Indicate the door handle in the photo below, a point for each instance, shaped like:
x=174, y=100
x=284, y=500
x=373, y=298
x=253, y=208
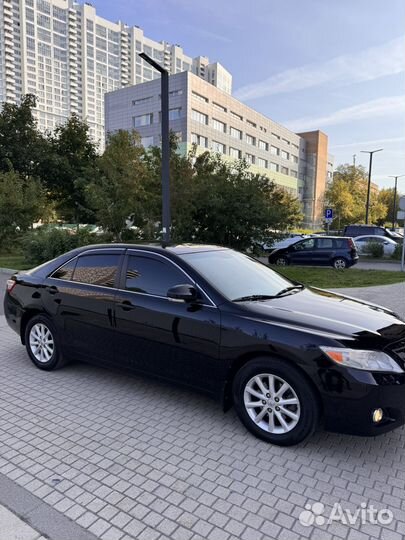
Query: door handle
x=126, y=305
x=52, y=289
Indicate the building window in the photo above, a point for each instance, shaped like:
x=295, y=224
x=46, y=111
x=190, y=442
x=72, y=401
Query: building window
x=218, y=125
x=219, y=107
x=143, y=120
x=200, y=97
x=250, y=158
x=286, y=141
x=199, y=139
x=218, y=147
x=274, y=150
x=176, y=92
x=175, y=114
x=250, y=140
x=274, y=167
x=262, y=163
x=263, y=129
x=263, y=145
x=294, y=159
x=251, y=123
x=235, y=153
x=284, y=154
x=142, y=100
x=276, y=136
x=236, y=115
x=199, y=117
x=147, y=141
x=284, y=170
x=235, y=133
x=294, y=174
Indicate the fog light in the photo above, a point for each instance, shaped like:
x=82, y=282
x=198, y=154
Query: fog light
x=377, y=415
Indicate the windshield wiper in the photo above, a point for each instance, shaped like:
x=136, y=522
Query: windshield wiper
x=288, y=289
x=253, y=297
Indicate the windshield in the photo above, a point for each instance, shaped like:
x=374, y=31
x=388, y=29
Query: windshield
x=235, y=275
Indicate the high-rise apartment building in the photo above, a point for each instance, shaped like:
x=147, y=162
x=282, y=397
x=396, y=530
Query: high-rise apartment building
x=214, y=120
x=68, y=56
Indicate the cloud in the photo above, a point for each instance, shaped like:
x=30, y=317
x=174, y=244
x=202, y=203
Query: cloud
x=386, y=106
x=369, y=64
x=387, y=140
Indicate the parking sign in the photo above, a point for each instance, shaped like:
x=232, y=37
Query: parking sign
x=329, y=213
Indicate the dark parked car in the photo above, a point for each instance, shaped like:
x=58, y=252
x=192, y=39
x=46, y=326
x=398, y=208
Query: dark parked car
x=361, y=230
x=216, y=320
x=335, y=251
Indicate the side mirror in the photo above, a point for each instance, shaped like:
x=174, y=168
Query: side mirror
x=188, y=293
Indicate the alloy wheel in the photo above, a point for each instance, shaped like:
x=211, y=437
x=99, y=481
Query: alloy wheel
x=272, y=403
x=42, y=343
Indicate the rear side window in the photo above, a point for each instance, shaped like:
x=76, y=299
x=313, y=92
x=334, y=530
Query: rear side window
x=97, y=269
x=324, y=243
x=340, y=243
x=152, y=276
x=65, y=271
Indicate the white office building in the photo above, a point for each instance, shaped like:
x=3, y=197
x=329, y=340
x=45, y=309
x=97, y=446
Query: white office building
x=69, y=57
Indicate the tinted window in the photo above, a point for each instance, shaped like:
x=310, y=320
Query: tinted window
x=97, y=269
x=152, y=276
x=324, y=243
x=341, y=243
x=306, y=244
x=65, y=271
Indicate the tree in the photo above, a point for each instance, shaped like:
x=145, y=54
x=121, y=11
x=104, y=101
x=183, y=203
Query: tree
x=347, y=195
x=386, y=197
x=22, y=146
x=23, y=201
x=69, y=167
x=118, y=192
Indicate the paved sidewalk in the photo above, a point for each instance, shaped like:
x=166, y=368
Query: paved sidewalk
x=13, y=528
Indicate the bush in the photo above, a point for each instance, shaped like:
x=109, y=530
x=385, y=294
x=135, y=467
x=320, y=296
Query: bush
x=397, y=253
x=375, y=249
x=42, y=245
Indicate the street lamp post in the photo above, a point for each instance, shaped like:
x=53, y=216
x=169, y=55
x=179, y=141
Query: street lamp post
x=165, y=147
x=394, y=212
x=369, y=178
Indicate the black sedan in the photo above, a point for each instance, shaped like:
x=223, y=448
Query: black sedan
x=213, y=319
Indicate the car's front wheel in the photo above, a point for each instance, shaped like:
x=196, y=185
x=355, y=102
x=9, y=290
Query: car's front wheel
x=280, y=260
x=42, y=343
x=275, y=402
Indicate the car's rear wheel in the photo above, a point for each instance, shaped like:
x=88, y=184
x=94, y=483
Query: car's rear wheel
x=42, y=343
x=340, y=263
x=275, y=402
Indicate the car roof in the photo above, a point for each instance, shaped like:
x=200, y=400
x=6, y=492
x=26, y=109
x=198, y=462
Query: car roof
x=178, y=249
x=373, y=236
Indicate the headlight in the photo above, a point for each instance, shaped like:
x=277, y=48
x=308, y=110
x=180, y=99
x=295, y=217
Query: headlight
x=368, y=360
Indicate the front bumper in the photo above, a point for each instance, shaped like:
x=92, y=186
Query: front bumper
x=352, y=396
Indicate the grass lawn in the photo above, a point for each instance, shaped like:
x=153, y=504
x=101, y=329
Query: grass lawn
x=329, y=278
x=15, y=262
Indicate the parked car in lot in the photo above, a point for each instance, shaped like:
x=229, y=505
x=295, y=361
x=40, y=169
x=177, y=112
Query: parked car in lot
x=362, y=230
x=335, y=251
x=363, y=244
x=287, y=357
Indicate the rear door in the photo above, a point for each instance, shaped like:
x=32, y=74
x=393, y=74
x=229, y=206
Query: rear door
x=324, y=251
x=80, y=297
x=164, y=337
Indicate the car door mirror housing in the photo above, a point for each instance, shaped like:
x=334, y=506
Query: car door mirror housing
x=188, y=293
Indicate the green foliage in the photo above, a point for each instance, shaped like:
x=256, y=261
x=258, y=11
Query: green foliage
x=347, y=195
x=22, y=202
x=398, y=252
x=42, y=244
x=374, y=249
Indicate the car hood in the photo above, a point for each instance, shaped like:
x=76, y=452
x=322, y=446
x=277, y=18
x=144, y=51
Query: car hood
x=324, y=312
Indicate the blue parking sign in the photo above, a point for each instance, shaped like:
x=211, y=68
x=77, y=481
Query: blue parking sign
x=328, y=213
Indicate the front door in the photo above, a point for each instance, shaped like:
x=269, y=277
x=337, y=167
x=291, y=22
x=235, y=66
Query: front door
x=302, y=252
x=160, y=336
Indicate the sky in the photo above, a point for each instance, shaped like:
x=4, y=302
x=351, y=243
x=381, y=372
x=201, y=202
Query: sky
x=334, y=65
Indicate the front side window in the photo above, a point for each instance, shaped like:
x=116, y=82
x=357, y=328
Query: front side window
x=152, y=276
x=306, y=244
x=98, y=269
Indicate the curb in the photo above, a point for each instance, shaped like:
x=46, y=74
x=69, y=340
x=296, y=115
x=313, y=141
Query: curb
x=8, y=271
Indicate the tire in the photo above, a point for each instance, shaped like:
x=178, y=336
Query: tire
x=304, y=403
x=280, y=261
x=340, y=263
x=49, y=356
